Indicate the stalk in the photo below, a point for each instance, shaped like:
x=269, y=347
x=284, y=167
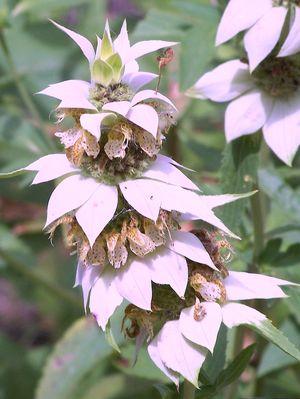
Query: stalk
x=188, y=390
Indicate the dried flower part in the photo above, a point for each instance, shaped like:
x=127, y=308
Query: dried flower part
x=207, y=283
x=219, y=249
x=147, y=142
x=139, y=319
x=100, y=95
x=69, y=137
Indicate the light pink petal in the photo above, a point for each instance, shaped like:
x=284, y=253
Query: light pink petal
x=98, y=50
x=120, y=107
x=134, y=283
x=240, y=15
x=121, y=43
x=131, y=67
x=242, y=286
x=235, y=314
x=104, y=298
x=247, y=114
x=143, y=196
x=51, y=167
x=282, y=129
x=82, y=42
x=155, y=357
x=213, y=201
x=179, y=354
x=71, y=193
x=141, y=48
x=164, y=158
x=167, y=267
x=261, y=39
x=72, y=93
x=223, y=83
x=97, y=211
x=153, y=95
x=92, y=122
x=203, y=331
x=86, y=276
x=292, y=43
x=168, y=173
x=144, y=116
x=138, y=79
x=188, y=245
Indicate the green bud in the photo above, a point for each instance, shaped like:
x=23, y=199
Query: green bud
x=102, y=72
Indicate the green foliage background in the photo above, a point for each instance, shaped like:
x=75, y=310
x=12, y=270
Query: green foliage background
x=48, y=349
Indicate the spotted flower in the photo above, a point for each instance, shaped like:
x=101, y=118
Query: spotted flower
x=264, y=21
x=267, y=99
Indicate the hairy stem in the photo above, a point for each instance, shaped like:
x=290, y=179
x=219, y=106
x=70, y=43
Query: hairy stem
x=36, y=277
x=188, y=390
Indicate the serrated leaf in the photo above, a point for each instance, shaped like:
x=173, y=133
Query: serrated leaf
x=272, y=334
x=273, y=358
x=102, y=73
x=283, y=195
x=238, y=175
x=74, y=357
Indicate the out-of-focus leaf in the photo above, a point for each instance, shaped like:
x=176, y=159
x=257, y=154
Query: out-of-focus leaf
x=110, y=338
x=197, y=49
x=73, y=358
x=44, y=6
x=144, y=368
x=230, y=374
x=239, y=175
x=286, y=198
x=273, y=358
x=293, y=301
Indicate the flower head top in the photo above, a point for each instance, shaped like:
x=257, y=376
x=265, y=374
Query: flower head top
x=267, y=99
x=264, y=21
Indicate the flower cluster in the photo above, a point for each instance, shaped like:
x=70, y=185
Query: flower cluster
x=264, y=85
x=123, y=204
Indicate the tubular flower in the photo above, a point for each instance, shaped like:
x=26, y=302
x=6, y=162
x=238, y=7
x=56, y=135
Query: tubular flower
x=181, y=330
x=269, y=98
x=264, y=21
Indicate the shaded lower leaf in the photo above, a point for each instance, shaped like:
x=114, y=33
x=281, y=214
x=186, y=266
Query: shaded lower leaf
x=74, y=357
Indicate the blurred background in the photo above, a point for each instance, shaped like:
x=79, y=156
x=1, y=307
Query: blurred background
x=48, y=348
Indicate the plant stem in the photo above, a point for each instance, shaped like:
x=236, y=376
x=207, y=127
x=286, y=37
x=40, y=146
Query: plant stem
x=257, y=207
x=188, y=390
x=36, y=277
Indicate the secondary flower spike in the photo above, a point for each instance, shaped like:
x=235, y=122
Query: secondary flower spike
x=267, y=99
x=264, y=21
x=181, y=330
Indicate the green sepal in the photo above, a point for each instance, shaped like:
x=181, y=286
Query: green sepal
x=102, y=73
x=116, y=63
x=109, y=336
x=106, y=47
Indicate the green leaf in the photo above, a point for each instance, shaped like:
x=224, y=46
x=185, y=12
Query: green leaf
x=102, y=73
x=238, y=175
x=74, y=357
x=283, y=195
x=14, y=173
x=272, y=334
x=273, y=358
x=197, y=50
x=229, y=375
